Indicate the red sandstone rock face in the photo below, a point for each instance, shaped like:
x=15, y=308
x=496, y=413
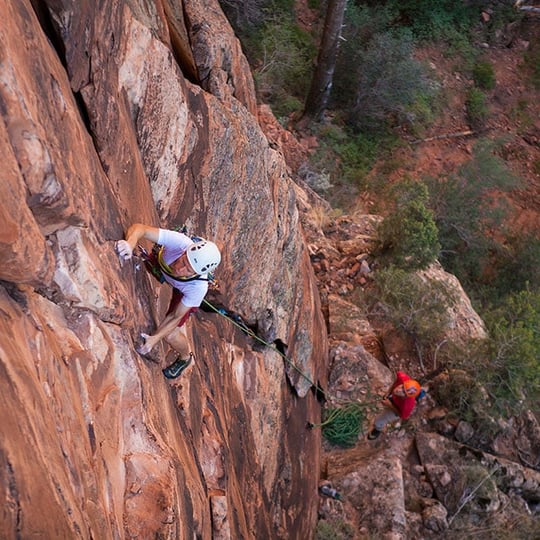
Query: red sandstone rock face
x=95, y=443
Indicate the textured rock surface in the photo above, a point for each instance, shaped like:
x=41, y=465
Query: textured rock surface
x=109, y=115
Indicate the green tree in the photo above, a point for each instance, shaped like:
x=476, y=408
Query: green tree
x=408, y=236
x=467, y=206
x=514, y=375
x=388, y=82
x=476, y=107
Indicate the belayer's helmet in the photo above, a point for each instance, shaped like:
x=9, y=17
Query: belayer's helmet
x=411, y=387
x=204, y=256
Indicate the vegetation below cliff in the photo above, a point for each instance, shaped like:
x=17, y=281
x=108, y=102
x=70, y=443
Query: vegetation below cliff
x=433, y=122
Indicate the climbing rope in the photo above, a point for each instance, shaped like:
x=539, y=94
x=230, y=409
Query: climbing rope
x=252, y=334
x=342, y=424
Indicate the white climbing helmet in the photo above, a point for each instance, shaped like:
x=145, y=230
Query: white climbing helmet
x=204, y=256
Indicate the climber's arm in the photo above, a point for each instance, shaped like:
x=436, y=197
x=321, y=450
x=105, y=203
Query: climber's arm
x=134, y=234
x=169, y=323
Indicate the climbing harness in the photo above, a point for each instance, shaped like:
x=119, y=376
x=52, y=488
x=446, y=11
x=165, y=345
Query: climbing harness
x=158, y=267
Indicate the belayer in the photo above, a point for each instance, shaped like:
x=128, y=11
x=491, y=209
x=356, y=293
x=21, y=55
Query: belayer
x=399, y=402
x=184, y=263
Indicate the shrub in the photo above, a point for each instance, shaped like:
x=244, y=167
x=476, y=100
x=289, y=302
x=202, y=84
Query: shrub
x=477, y=110
x=434, y=19
x=347, y=159
x=465, y=212
x=498, y=376
x=334, y=529
x=460, y=48
x=408, y=236
x=514, y=377
x=462, y=390
x=417, y=306
x=318, y=181
x=282, y=55
x=484, y=75
x=388, y=82
x=532, y=66
x=517, y=265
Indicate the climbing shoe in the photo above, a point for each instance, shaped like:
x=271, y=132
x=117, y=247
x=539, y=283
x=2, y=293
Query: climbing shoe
x=176, y=368
x=373, y=434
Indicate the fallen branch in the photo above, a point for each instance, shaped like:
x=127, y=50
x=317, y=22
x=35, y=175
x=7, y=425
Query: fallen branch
x=471, y=495
x=445, y=136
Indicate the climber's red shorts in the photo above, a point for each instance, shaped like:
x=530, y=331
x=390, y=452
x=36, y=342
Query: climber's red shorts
x=175, y=300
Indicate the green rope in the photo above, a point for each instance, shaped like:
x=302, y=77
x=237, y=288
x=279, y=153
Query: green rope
x=269, y=345
x=341, y=425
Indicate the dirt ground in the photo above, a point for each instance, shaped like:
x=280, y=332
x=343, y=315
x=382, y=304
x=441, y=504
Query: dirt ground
x=514, y=116
x=514, y=119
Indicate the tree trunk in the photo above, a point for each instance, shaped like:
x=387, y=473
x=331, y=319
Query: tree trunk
x=321, y=83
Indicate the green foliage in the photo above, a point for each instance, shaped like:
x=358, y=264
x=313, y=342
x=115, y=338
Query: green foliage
x=357, y=155
x=517, y=264
x=416, y=305
x=282, y=56
x=514, y=377
x=408, y=236
x=377, y=79
x=463, y=392
x=466, y=207
x=498, y=376
x=460, y=48
x=420, y=113
x=523, y=115
x=501, y=15
x=347, y=159
x=334, y=529
x=484, y=75
x=487, y=169
x=477, y=109
x=434, y=19
x=532, y=66
x=388, y=82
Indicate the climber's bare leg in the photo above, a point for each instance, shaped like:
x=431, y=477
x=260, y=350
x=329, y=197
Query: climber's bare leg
x=178, y=340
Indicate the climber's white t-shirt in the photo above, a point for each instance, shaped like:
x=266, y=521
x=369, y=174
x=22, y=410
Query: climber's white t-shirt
x=175, y=244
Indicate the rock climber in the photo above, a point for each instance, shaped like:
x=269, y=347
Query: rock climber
x=184, y=264
x=399, y=402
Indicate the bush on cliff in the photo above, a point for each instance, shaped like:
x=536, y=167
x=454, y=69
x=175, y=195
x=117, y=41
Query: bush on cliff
x=408, y=236
x=418, y=307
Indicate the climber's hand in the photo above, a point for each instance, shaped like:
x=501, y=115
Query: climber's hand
x=124, y=249
x=149, y=343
